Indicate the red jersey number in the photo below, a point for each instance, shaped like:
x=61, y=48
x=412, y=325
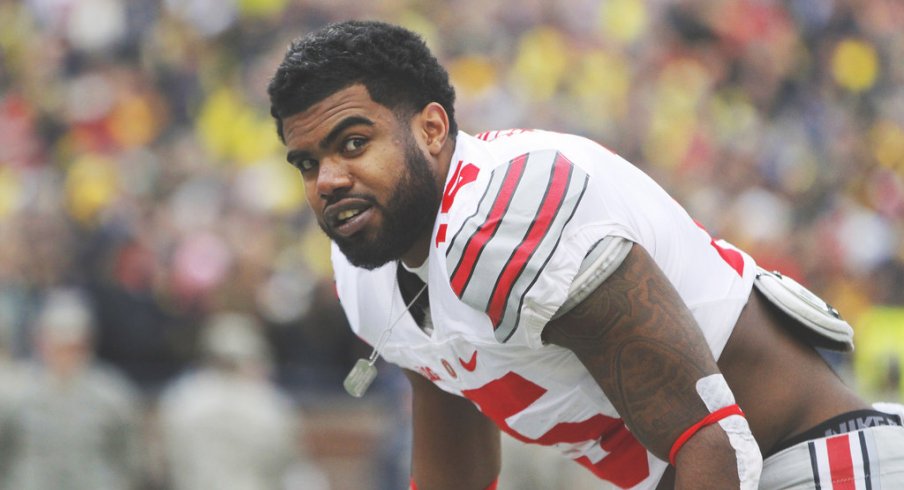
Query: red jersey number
x=464, y=174
x=626, y=464
x=731, y=256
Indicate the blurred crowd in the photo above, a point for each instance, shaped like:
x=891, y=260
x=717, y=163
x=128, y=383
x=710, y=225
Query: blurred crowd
x=140, y=173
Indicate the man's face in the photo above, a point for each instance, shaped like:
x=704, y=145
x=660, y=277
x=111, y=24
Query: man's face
x=372, y=188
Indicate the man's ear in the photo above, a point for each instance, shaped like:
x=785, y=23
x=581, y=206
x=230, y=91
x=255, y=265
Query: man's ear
x=433, y=126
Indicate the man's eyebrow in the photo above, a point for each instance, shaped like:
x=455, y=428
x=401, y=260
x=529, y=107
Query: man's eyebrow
x=342, y=126
x=297, y=155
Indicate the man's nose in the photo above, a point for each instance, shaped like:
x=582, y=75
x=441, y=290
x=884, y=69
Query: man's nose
x=333, y=177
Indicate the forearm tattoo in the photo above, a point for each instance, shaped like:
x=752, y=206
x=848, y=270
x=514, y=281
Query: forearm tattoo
x=643, y=347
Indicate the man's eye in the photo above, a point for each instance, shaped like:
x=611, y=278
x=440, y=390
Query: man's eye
x=353, y=144
x=306, y=164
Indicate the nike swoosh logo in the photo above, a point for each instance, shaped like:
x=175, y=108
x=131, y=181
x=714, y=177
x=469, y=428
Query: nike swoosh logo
x=471, y=364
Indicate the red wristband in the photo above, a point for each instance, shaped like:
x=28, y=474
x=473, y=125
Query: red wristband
x=708, y=420
x=491, y=487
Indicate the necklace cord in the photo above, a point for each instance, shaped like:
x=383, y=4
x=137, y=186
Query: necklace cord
x=384, y=337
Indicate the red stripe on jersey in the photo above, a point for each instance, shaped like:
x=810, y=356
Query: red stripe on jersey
x=484, y=232
x=840, y=463
x=552, y=201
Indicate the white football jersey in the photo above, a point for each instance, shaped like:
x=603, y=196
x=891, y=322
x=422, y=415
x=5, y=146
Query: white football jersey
x=520, y=211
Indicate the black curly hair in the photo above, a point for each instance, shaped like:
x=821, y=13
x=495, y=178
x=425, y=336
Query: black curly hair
x=393, y=63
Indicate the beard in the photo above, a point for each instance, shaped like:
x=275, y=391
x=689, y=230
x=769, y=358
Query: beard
x=408, y=214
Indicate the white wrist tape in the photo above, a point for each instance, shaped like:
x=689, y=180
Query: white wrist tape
x=715, y=393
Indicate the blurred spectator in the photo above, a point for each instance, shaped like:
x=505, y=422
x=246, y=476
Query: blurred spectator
x=12, y=384
x=879, y=358
x=225, y=426
x=74, y=424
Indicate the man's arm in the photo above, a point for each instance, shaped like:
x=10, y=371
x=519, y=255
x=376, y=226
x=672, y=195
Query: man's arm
x=643, y=347
x=455, y=446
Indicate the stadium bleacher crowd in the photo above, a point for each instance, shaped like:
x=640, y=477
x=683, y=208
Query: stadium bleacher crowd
x=139, y=164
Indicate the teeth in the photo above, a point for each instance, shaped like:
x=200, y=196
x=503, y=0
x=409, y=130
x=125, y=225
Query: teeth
x=344, y=215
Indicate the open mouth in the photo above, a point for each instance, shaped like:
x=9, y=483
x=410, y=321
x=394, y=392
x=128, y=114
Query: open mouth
x=347, y=218
x=346, y=215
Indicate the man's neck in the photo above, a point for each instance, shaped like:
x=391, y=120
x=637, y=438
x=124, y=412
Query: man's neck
x=417, y=254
